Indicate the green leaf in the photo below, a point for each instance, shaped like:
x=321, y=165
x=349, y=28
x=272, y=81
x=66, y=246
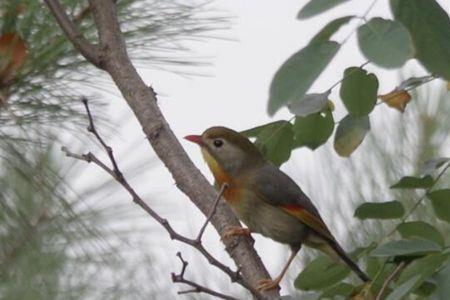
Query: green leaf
x=404, y=289
x=330, y=29
x=409, y=247
x=429, y=26
x=359, y=91
x=409, y=182
x=313, y=130
x=321, y=273
x=276, y=141
x=253, y=132
x=442, y=280
x=380, y=210
x=440, y=200
x=423, y=267
x=381, y=272
x=298, y=73
x=386, y=43
x=421, y=230
x=425, y=289
x=350, y=134
x=341, y=289
x=315, y=7
x=309, y=104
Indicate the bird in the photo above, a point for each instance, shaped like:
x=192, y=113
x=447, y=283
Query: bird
x=266, y=199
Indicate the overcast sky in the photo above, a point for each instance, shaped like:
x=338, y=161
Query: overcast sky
x=264, y=33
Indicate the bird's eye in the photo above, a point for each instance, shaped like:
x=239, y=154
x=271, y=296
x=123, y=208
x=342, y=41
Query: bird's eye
x=218, y=143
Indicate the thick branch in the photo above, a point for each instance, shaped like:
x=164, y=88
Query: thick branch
x=142, y=100
x=83, y=46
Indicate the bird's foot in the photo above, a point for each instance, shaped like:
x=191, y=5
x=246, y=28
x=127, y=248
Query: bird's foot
x=268, y=284
x=232, y=231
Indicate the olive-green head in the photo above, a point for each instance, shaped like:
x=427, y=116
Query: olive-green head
x=227, y=150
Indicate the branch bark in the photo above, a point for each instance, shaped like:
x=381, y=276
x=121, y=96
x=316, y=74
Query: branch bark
x=81, y=44
x=113, y=58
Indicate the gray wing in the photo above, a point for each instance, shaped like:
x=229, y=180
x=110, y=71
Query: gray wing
x=279, y=189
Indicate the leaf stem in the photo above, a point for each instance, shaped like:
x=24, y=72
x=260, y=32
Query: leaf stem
x=418, y=202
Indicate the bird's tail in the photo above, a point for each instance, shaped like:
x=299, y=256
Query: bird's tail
x=334, y=250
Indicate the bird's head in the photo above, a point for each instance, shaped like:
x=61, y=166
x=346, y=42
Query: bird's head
x=226, y=150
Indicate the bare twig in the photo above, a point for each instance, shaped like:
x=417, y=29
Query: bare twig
x=213, y=210
x=389, y=279
x=91, y=128
x=117, y=175
x=197, y=288
x=114, y=59
x=88, y=50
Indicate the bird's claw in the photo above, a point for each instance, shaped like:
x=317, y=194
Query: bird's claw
x=267, y=284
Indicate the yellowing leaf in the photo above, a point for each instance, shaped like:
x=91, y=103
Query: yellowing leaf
x=13, y=53
x=350, y=134
x=448, y=85
x=397, y=99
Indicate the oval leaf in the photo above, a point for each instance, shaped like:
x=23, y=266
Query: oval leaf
x=429, y=26
x=298, y=73
x=409, y=182
x=440, y=200
x=424, y=267
x=404, y=289
x=342, y=289
x=253, y=132
x=276, y=141
x=443, y=282
x=386, y=43
x=313, y=130
x=350, y=134
x=330, y=29
x=359, y=91
x=321, y=273
x=315, y=7
x=309, y=104
x=409, y=247
x=380, y=210
x=421, y=230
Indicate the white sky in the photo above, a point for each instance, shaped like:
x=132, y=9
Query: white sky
x=235, y=94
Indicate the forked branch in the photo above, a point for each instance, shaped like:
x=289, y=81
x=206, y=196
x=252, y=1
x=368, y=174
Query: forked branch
x=117, y=174
x=111, y=56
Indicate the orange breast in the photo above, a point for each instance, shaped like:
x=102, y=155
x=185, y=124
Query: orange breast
x=233, y=192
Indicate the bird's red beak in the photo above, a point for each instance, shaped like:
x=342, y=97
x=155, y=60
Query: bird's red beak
x=195, y=139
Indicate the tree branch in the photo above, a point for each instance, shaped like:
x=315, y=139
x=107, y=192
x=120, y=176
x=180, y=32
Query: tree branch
x=117, y=174
x=88, y=50
x=142, y=100
x=197, y=288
